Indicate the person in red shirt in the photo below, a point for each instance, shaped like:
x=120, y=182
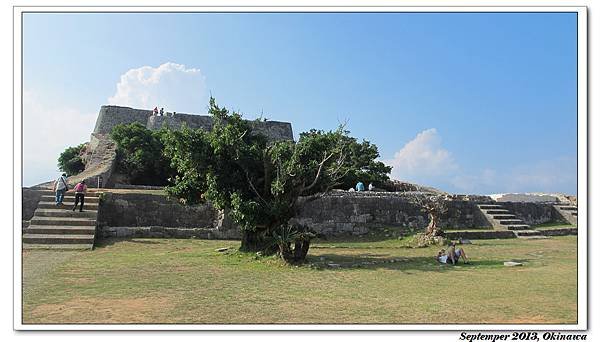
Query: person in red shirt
x=80, y=190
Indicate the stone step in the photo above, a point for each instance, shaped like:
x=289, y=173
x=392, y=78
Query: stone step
x=52, y=205
x=503, y=216
x=59, y=239
x=511, y=222
x=518, y=227
x=568, y=208
x=70, y=192
x=520, y=233
x=69, y=199
x=62, y=221
x=574, y=214
x=489, y=206
x=65, y=213
x=70, y=247
x=497, y=211
x=66, y=230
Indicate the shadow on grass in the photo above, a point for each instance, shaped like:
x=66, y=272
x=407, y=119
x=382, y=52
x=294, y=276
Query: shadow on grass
x=374, y=235
x=111, y=241
x=370, y=261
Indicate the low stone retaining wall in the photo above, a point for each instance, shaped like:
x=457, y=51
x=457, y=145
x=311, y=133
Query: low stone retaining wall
x=337, y=214
x=558, y=231
x=137, y=187
x=343, y=212
x=167, y=232
x=534, y=213
x=145, y=210
x=154, y=215
x=484, y=234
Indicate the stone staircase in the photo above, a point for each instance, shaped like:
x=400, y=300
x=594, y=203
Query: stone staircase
x=568, y=212
x=502, y=219
x=58, y=227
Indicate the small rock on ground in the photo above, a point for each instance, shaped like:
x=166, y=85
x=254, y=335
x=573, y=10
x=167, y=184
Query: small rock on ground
x=512, y=263
x=222, y=249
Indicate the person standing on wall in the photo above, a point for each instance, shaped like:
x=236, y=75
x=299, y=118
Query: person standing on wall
x=155, y=111
x=360, y=186
x=162, y=112
x=60, y=187
x=80, y=190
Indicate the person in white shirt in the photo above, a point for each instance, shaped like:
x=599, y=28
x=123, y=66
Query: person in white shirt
x=60, y=187
x=452, y=255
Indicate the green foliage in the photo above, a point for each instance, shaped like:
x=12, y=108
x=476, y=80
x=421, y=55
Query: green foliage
x=70, y=161
x=140, y=154
x=258, y=181
x=361, y=164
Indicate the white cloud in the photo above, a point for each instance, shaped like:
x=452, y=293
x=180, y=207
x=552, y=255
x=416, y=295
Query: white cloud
x=170, y=85
x=49, y=128
x=425, y=161
x=553, y=175
x=549, y=176
x=476, y=183
x=422, y=158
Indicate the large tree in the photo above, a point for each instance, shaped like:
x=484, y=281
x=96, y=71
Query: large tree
x=362, y=164
x=257, y=181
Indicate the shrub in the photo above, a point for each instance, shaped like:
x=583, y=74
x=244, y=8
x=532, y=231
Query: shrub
x=140, y=154
x=70, y=161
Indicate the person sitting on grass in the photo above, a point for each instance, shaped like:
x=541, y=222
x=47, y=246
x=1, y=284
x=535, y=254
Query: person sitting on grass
x=452, y=255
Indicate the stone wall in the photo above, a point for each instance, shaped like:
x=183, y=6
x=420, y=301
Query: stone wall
x=138, y=210
x=274, y=130
x=31, y=198
x=100, y=162
x=534, y=213
x=150, y=213
x=178, y=120
x=338, y=213
x=356, y=213
x=168, y=232
x=110, y=116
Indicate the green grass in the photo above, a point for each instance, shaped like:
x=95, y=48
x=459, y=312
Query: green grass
x=187, y=281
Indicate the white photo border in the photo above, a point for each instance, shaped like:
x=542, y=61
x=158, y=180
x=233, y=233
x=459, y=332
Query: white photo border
x=582, y=170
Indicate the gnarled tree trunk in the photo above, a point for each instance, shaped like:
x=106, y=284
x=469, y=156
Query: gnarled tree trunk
x=432, y=228
x=256, y=241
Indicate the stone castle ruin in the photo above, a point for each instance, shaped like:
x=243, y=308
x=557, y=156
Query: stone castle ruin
x=101, y=151
x=114, y=212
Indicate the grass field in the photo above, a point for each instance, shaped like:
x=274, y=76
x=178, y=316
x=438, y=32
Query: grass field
x=187, y=281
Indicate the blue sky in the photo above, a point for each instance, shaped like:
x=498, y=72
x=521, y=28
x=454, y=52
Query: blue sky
x=468, y=103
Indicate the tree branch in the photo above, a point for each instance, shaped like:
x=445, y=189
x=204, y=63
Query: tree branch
x=314, y=182
x=254, y=189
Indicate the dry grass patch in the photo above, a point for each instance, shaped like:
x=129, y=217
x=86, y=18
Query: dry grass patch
x=100, y=310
